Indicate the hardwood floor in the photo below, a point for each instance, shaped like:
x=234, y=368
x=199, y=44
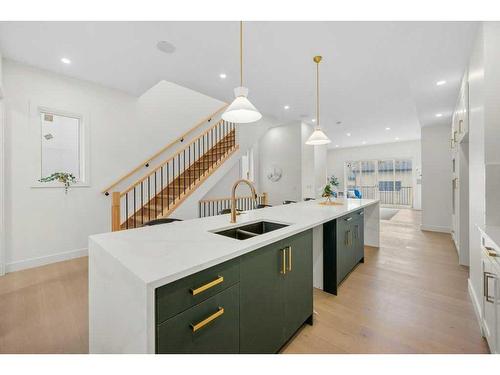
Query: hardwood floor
x=410, y=296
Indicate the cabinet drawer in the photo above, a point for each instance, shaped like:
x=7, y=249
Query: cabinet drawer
x=210, y=327
x=180, y=295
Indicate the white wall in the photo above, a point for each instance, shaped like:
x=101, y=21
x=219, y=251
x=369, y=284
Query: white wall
x=407, y=150
x=44, y=224
x=436, y=178
x=2, y=137
x=476, y=164
x=281, y=146
x=308, y=172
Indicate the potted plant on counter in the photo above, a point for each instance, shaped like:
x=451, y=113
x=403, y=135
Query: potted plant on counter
x=330, y=191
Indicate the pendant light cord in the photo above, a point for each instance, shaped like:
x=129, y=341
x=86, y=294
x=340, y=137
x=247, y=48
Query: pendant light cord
x=317, y=94
x=241, y=53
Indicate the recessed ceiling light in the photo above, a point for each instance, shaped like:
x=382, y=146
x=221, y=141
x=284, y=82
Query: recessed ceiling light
x=313, y=120
x=440, y=83
x=222, y=76
x=286, y=107
x=165, y=46
x=65, y=60
x=364, y=142
x=336, y=145
x=397, y=138
x=388, y=128
x=439, y=115
x=348, y=134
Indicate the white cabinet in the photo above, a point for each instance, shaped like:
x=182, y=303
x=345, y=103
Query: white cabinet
x=460, y=177
x=490, y=315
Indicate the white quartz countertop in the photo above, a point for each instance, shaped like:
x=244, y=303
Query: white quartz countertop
x=160, y=254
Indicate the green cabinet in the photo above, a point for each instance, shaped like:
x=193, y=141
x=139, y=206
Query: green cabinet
x=251, y=304
x=298, y=282
x=262, y=300
x=209, y=327
x=343, y=248
x=276, y=293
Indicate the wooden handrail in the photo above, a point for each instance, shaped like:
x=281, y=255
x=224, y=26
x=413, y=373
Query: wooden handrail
x=158, y=153
x=143, y=178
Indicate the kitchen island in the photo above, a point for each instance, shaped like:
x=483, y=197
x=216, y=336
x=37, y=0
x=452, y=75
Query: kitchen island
x=138, y=279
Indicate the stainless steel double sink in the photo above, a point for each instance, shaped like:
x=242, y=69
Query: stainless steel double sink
x=247, y=231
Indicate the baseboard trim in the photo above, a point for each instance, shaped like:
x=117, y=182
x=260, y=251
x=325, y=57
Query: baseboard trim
x=41, y=261
x=435, y=228
x=475, y=305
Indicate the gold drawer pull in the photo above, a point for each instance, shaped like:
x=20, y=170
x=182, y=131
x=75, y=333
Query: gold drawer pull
x=289, y=258
x=211, y=284
x=283, y=263
x=204, y=322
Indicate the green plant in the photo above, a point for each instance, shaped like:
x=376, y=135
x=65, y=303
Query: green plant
x=330, y=187
x=327, y=191
x=66, y=178
x=334, y=181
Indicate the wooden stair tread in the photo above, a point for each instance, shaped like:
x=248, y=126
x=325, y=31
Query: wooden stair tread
x=181, y=186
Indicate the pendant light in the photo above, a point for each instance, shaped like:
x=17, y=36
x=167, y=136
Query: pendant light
x=318, y=137
x=241, y=111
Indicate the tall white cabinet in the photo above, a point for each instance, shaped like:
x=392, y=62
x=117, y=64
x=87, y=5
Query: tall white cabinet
x=459, y=144
x=490, y=301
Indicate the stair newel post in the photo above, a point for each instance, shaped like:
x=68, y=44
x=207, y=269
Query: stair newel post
x=115, y=211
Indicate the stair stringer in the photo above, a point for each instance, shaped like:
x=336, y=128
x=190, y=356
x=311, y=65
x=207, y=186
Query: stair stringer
x=247, y=136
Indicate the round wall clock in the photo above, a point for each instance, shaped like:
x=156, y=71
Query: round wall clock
x=274, y=174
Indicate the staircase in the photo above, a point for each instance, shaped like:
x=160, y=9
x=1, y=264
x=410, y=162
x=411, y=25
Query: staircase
x=159, y=192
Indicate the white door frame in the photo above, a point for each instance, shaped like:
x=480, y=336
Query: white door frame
x=2, y=186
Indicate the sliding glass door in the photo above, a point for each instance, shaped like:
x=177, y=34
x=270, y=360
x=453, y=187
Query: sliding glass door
x=390, y=180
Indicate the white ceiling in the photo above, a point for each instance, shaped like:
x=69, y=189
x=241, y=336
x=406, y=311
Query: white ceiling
x=374, y=74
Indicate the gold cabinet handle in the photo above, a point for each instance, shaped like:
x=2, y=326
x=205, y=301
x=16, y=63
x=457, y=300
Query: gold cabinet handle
x=487, y=276
x=209, y=285
x=204, y=322
x=289, y=258
x=283, y=261
x=490, y=251
x=348, y=238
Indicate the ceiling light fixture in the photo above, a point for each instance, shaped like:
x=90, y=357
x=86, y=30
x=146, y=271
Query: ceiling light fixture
x=66, y=61
x=222, y=76
x=287, y=107
x=241, y=111
x=439, y=115
x=388, y=128
x=440, y=83
x=348, y=134
x=364, y=142
x=318, y=137
x=397, y=138
x=336, y=145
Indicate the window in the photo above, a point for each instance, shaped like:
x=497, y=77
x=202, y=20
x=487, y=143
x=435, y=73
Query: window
x=247, y=165
x=390, y=180
x=62, y=140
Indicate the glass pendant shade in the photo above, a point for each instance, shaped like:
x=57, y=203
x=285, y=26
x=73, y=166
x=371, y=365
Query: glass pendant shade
x=241, y=111
x=318, y=138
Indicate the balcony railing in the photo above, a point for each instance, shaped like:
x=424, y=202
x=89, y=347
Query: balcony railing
x=399, y=197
